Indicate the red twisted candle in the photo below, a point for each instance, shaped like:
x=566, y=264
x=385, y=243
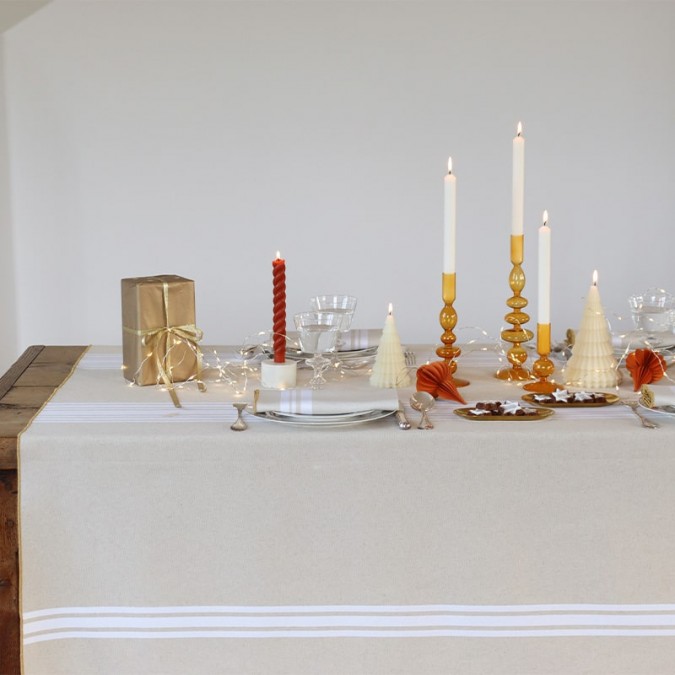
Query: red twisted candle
x=279, y=310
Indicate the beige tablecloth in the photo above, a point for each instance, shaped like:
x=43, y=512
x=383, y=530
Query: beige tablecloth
x=156, y=540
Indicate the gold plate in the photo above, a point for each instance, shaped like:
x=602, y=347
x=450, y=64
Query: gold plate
x=541, y=414
x=611, y=398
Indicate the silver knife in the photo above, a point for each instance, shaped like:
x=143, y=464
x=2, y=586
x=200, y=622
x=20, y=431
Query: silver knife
x=401, y=418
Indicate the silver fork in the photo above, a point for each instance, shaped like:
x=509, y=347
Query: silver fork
x=410, y=358
x=648, y=424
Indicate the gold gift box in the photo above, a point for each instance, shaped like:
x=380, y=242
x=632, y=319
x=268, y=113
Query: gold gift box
x=159, y=337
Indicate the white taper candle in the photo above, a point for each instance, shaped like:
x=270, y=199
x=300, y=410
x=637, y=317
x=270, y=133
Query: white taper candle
x=449, y=220
x=544, y=273
x=518, y=194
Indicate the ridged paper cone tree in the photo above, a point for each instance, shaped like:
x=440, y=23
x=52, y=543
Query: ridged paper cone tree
x=389, y=369
x=592, y=363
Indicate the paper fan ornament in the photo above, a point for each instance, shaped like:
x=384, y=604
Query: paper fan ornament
x=645, y=366
x=436, y=379
x=389, y=369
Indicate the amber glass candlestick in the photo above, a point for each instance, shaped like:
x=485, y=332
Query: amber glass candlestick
x=448, y=318
x=543, y=367
x=516, y=335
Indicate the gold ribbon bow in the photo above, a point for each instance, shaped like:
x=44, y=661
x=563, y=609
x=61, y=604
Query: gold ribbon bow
x=161, y=341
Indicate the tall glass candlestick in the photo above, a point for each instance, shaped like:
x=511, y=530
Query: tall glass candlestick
x=448, y=318
x=543, y=367
x=517, y=318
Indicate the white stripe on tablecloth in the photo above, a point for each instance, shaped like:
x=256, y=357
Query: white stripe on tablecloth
x=70, y=413
x=398, y=634
x=202, y=411
x=304, y=621
x=357, y=609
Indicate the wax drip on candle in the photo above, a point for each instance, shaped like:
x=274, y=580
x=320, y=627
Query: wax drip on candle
x=279, y=309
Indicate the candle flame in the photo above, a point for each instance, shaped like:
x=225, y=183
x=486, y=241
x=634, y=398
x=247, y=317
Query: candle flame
x=278, y=255
x=545, y=217
x=595, y=277
x=449, y=164
x=391, y=308
x=519, y=129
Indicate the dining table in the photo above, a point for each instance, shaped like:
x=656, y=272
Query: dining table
x=155, y=539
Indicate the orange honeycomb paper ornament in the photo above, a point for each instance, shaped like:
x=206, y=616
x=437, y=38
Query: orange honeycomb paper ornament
x=645, y=366
x=436, y=379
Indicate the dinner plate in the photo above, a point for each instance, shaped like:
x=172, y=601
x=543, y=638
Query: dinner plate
x=541, y=414
x=357, y=358
x=610, y=399
x=323, y=420
x=366, y=352
x=637, y=340
x=667, y=409
x=316, y=417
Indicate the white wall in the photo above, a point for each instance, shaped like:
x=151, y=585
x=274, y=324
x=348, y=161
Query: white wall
x=197, y=138
x=9, y=347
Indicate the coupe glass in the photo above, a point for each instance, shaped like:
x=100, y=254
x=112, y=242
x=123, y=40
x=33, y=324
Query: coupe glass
x=317, y=332
x=653, y=313
x=342, y=305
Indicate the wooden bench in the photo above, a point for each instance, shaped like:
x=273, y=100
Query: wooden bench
x=24, y=389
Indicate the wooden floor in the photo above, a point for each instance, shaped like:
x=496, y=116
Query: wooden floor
x=24, y=389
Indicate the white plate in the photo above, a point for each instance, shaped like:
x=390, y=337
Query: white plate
x=637, y=340
x=662, y=409
x=325, y=420
x=316, y=417
x=297, y=354
x=357, y=359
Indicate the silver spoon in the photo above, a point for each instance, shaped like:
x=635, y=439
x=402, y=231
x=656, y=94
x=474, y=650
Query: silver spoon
x=422, y=401
x=239, y=424
x=648, y=424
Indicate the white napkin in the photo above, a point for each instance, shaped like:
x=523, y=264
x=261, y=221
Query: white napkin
x=329, y=401
x=357, y=338
x=360, y=339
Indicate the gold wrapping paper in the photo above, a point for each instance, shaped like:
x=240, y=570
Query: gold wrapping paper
x=159, y=337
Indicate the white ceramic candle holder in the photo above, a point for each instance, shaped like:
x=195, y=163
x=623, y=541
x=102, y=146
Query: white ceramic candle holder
x=278, y=375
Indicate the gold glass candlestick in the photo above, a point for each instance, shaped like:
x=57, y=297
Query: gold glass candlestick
x=448, y=318
x=516, y=335
x=543, y=367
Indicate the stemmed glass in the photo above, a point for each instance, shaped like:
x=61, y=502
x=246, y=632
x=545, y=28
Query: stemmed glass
x=343, y=305
x=653, y=314
x=318, y=333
